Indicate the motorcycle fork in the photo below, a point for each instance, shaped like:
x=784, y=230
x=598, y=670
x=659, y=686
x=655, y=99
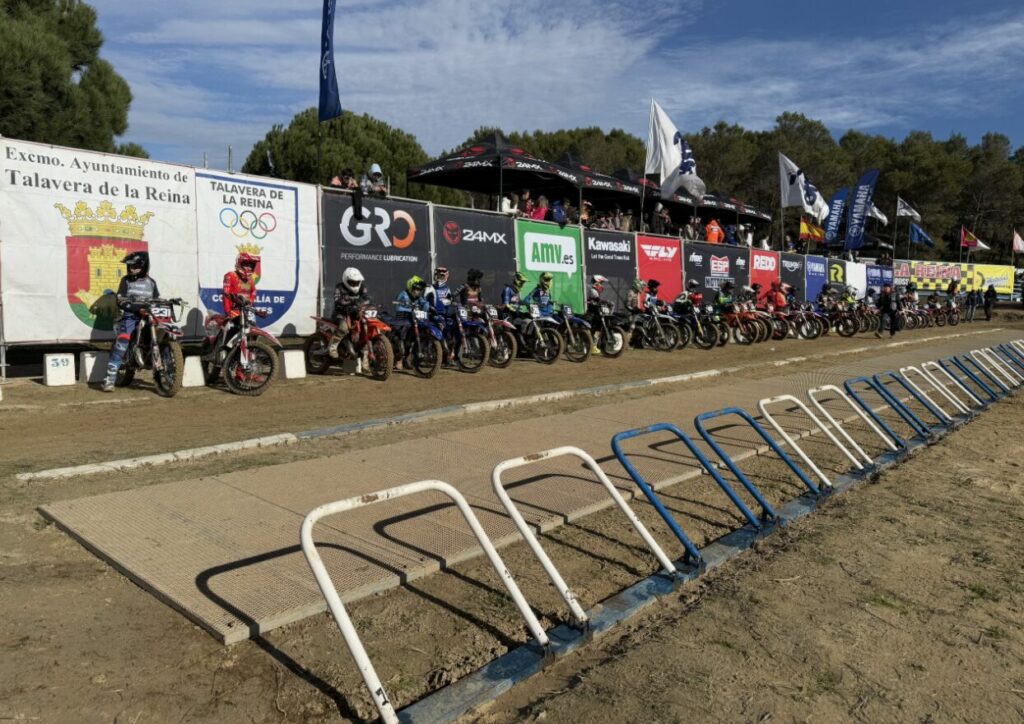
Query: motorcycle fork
x=155, y=358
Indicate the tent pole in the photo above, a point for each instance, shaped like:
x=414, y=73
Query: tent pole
x=501, y=182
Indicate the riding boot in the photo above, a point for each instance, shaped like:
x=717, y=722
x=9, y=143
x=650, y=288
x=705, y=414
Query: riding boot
x=332, y=347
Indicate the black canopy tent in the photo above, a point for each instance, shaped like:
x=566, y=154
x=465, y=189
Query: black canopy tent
x=495, y=165
x=599, y=187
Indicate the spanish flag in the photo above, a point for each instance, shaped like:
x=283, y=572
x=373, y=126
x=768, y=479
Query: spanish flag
x=810, y=232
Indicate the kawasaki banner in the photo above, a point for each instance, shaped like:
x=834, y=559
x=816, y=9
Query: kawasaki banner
x=388, y=243
x=712, y=265
x=791, y=271
x=860, y=208
x=835, y=215
x=816, y=276
x=764, y=268
x=660, y=257
x=68, y=217
x=464, y=240
x=611, y=254
x=545, y=247
x=275, y=220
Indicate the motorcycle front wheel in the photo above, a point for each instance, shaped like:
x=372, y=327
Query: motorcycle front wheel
x=504, y=349
x=613, y=344
x=579, y=349
x=685, y=335
x=705, y=336
x=168, y=379
x=426, y=357
x=548, y=345
x=744, y=332
x=261, y=372
x=473, y=352
x=723, y=333
x=381, y=358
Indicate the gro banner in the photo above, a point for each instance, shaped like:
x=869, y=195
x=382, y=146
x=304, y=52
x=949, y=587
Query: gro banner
x=791, y=271
x=660, y=257
x=273, y=219
x=611, y=254
x=979, y=276
x=764, y=268
x=68, y=218
x=465, y=240
x=713, y=264
x=816, y=275
x=388, y=243
x=856, y=277
x=545, y=247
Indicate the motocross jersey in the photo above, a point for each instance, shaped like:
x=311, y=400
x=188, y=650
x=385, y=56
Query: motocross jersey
x=131, y=293
x=440, y=297
x=724, y=302
x=347, y=303
x=651, y=302
x=542, y=298
x=467, y=295
x=510, y=298
x=235, y=288
x=405, y=304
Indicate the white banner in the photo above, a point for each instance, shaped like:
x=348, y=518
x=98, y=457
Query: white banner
x=274, y=219
x=68, y=217
x=857, y=277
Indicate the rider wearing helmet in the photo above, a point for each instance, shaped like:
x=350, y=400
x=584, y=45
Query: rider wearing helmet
x=651, y=303
x=689, y=299
x=349, y=297
x=724, y=299
x=633, y=298
x=850, y=295
x=440, y=294
x=135, y=289
x=470, y=292
x=240, y=284
x=541, y=294
x=511, y=295
x=777, y=297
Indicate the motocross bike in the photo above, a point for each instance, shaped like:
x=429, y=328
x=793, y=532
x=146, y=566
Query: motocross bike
x=579, y=341
x=538, y=335
x=419, y=344
x=654, y=329
x=154, y=346
x=608, y=329
x=693, y=324
x=501, y=335
x=466, y=340
x=240, y=352
x=366, y=331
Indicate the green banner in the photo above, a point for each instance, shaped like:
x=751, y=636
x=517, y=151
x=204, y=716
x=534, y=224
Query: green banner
x=543, y=247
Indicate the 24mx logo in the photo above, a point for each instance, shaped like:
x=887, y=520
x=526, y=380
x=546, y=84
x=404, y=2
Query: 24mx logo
x=377, y=221
x=453, y=234
x=659, y=252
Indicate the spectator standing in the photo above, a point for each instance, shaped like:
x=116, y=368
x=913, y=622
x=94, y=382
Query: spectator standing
x=691, y=230
x=510, y=204
x=542, y=209
x=970, y=305
x=990, y=301
x=714, y=232
x=656, y=225
x=526, y=204
x=373, y=183
x=889, y=305
x=626, y=222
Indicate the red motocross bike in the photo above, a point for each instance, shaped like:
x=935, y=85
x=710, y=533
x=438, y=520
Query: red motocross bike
x=240, y=352
x=367, y=332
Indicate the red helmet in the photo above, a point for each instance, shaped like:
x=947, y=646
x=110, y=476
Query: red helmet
x=776, y=284
x=245, y=264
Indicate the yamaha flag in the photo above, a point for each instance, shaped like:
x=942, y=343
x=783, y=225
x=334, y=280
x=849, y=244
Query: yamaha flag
x=670, y=156
x=918, y=236
x=797, y=190
x=835, y=215
x=905, y=209
x=330, y=101
x=860, y=207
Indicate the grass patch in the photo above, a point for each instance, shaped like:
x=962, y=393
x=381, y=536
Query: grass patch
x=883, y=601
x=982, y=593
x=827, y=682
x=981, y=556
x=995, y=633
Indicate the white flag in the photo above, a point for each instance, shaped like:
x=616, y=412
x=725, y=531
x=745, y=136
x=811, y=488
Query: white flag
x=797, y=190
x=669, y=156
x=877, y=213
x=982, y=245
x=1018, y=243
x=905, y=209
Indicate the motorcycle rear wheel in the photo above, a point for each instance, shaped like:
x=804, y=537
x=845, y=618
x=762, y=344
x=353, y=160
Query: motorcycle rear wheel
x=168, y=380
x=953, y=318
x=504, y=349
x=251, y=384
x=846, y=327
x=314, y=349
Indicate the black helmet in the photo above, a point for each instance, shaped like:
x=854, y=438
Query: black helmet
x=727, y=286
x=473, y=276
x=692, y=284
x=653, y=284
x=137, y=263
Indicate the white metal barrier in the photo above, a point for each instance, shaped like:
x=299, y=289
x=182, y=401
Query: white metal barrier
x=832, y=389
x=348, y=631
x=999, y=366
x=927, y=369
x=943, y=387
x=524, y=528
x=1005, y=365
x=762, y=405
x=983, y=362
x=917, y=388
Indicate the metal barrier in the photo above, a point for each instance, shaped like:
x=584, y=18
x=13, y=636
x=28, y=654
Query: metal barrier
x=524, y=529
x=993, y=366
x=853, y=406
x=1012, y=354
x=698, y=423
x=330, y=593
x=762, y=405
x=902, y=410
x=1012, y=375
x=943, y=388
x=955, y=361
x=945, y=417
x=925, y=429
x=983, y=369
x=692, y=553
x=848, y=386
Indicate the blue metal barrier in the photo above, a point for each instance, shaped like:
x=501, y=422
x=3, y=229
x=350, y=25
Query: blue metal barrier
x=698, y=423
x=917, y=396
x=1011, y=354
x=988, y=375
x=867, y=408
x=970, y=375
x=692, y=554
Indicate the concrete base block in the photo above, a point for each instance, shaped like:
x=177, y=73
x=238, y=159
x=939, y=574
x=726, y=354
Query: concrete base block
x=294, y=363
x=59, y=369
x=92, y=366
x=193, y=374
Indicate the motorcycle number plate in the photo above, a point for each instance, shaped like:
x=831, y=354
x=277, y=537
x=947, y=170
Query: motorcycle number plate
x=567, y=310
x=492, y=312
x=534, y=311
x=371, y=313
x=419, y=314
x=160, y=311
x=463, y=314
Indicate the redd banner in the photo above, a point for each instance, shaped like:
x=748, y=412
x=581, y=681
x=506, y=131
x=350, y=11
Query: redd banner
x=661, y=258
x=764, y=268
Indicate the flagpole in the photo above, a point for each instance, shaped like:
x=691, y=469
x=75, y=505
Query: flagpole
x=643, y=179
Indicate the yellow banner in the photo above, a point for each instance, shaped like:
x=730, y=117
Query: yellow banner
x=981, y=275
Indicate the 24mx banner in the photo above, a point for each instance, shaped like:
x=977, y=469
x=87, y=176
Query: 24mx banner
x=467, y=240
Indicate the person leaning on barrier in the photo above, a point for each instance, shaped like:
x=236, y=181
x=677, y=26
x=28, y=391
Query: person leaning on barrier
x=373, y=183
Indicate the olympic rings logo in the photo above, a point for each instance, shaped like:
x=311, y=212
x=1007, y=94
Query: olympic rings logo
x=246, y=223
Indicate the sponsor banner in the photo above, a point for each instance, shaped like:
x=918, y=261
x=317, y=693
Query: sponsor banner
x=791, y=271
x=815, y=276
x=875, y=280
x=611, y=254
x=837, y=272
x=714, y=264
x=661, y=258
x=69, y=217
x=856, y=277
x=980, y=276
x=901, y=272
x=859, y=208
x=764, y=268
x=544, y=247
x=389, y=242
x=930, y=276
x=465, y=240
x=276, y=220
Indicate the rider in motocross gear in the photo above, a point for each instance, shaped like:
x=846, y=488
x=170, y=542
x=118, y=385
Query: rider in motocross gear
x=724, y=299
x=511, y=298
x=470, y=292
x=541, y=294
x=349, y=297
x=411, y=298
x=651, y=303
x=440, y=294
x=633, y=298
x=776, y=296
x=134, y=290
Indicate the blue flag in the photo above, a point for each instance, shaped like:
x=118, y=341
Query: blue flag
x=860, y=208
x=330, y=101
x=835, y=215
x=918, y=236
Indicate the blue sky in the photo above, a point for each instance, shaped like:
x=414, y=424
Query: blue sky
x=211, y=73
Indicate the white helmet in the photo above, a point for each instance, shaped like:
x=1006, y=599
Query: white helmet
x=352, y=278
x=598, y=279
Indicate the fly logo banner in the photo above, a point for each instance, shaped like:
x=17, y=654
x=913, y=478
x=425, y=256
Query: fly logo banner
x=661, y=253
x=719, y=265
x=549, y=252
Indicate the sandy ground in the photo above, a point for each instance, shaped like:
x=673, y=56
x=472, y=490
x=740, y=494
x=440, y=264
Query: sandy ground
x=899, y=598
